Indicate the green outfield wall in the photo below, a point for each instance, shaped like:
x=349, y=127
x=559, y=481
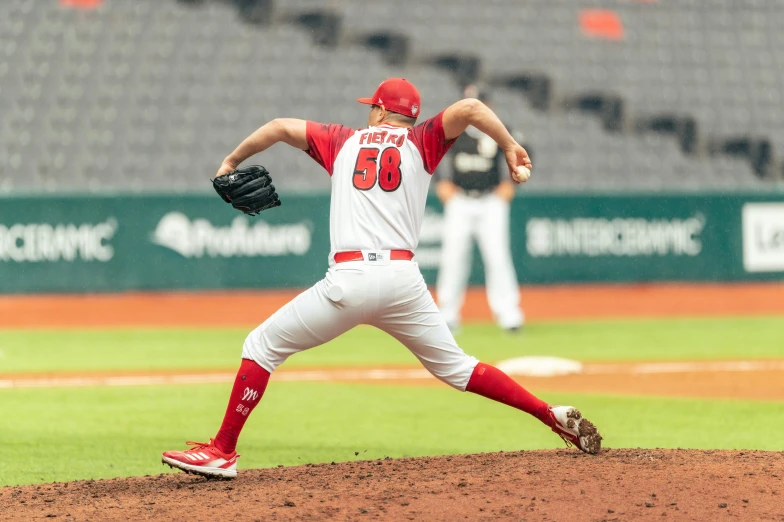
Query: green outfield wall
x=148, y=242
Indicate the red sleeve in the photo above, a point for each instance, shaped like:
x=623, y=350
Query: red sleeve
x=325, y=141
x=429, y=138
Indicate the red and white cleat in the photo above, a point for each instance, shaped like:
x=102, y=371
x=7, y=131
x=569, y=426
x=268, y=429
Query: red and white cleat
x=575, y=430
x=203, y=459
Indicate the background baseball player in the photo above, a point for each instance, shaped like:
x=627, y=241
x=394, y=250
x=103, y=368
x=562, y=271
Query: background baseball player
x=380, y=177
x=475, y=189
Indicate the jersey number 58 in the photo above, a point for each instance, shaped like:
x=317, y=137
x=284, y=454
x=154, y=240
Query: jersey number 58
x=371, y=166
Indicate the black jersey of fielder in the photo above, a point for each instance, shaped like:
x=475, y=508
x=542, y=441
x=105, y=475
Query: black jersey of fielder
x=476, y=162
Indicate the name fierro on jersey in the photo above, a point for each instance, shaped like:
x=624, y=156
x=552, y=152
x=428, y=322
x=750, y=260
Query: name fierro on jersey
x=379, y=137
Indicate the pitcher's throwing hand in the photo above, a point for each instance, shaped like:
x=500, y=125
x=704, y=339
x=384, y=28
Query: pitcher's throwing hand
x=519, y=163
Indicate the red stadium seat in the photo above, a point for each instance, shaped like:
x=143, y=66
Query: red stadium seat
x=81, y=4
x=601, y=23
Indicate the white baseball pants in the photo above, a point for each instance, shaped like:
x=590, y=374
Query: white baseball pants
x=486, y=219
x=392, y=297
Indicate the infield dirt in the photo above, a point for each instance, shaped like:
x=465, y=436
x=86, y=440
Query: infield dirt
x=538, y=485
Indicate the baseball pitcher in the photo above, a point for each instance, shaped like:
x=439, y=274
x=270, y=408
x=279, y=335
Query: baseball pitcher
x=380, y=177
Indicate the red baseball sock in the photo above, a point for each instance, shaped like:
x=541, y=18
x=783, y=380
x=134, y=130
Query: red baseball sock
x=248, y=388
x=488, y=381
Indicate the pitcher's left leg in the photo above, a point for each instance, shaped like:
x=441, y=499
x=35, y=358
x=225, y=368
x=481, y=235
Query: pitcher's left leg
x=312, y=318
x=503, y=290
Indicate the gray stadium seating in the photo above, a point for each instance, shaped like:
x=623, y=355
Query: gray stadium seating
x=144, y=94
x=151, y=94
x=714, y=59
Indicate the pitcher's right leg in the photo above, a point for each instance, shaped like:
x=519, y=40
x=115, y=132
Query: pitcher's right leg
x=418, y=325
x=488, y=381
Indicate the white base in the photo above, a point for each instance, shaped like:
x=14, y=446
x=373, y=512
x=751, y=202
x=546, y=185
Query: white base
x=540, y=366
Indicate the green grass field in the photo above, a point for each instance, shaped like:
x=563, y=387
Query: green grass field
x=145, y=349
x=78, y=433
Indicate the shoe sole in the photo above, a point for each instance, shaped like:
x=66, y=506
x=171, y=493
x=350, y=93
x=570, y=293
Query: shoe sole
x=590, y=439
x=212, y=473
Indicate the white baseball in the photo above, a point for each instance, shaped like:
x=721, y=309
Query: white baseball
x=522, y=174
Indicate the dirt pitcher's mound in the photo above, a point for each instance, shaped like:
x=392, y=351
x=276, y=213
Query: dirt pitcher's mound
x=535, y=485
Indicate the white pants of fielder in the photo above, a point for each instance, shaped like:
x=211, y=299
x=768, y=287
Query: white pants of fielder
x=392, y=297
x=485, y=219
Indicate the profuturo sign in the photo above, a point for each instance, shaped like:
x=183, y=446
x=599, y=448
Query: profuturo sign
x=199, y=238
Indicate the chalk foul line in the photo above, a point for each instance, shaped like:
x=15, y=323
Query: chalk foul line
x=375, y=374
x=686, y=367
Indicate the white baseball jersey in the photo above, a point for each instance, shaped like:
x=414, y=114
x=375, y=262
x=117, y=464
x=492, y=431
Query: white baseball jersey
x=380, y=176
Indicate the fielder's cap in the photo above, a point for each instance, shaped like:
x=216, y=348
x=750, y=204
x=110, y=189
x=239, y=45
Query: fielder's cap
x=480, y=92
x=396, y=95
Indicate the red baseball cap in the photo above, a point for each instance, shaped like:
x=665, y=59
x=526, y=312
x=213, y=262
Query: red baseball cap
x=396, y=95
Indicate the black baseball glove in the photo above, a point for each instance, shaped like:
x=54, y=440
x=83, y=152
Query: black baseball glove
x=249, y=189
